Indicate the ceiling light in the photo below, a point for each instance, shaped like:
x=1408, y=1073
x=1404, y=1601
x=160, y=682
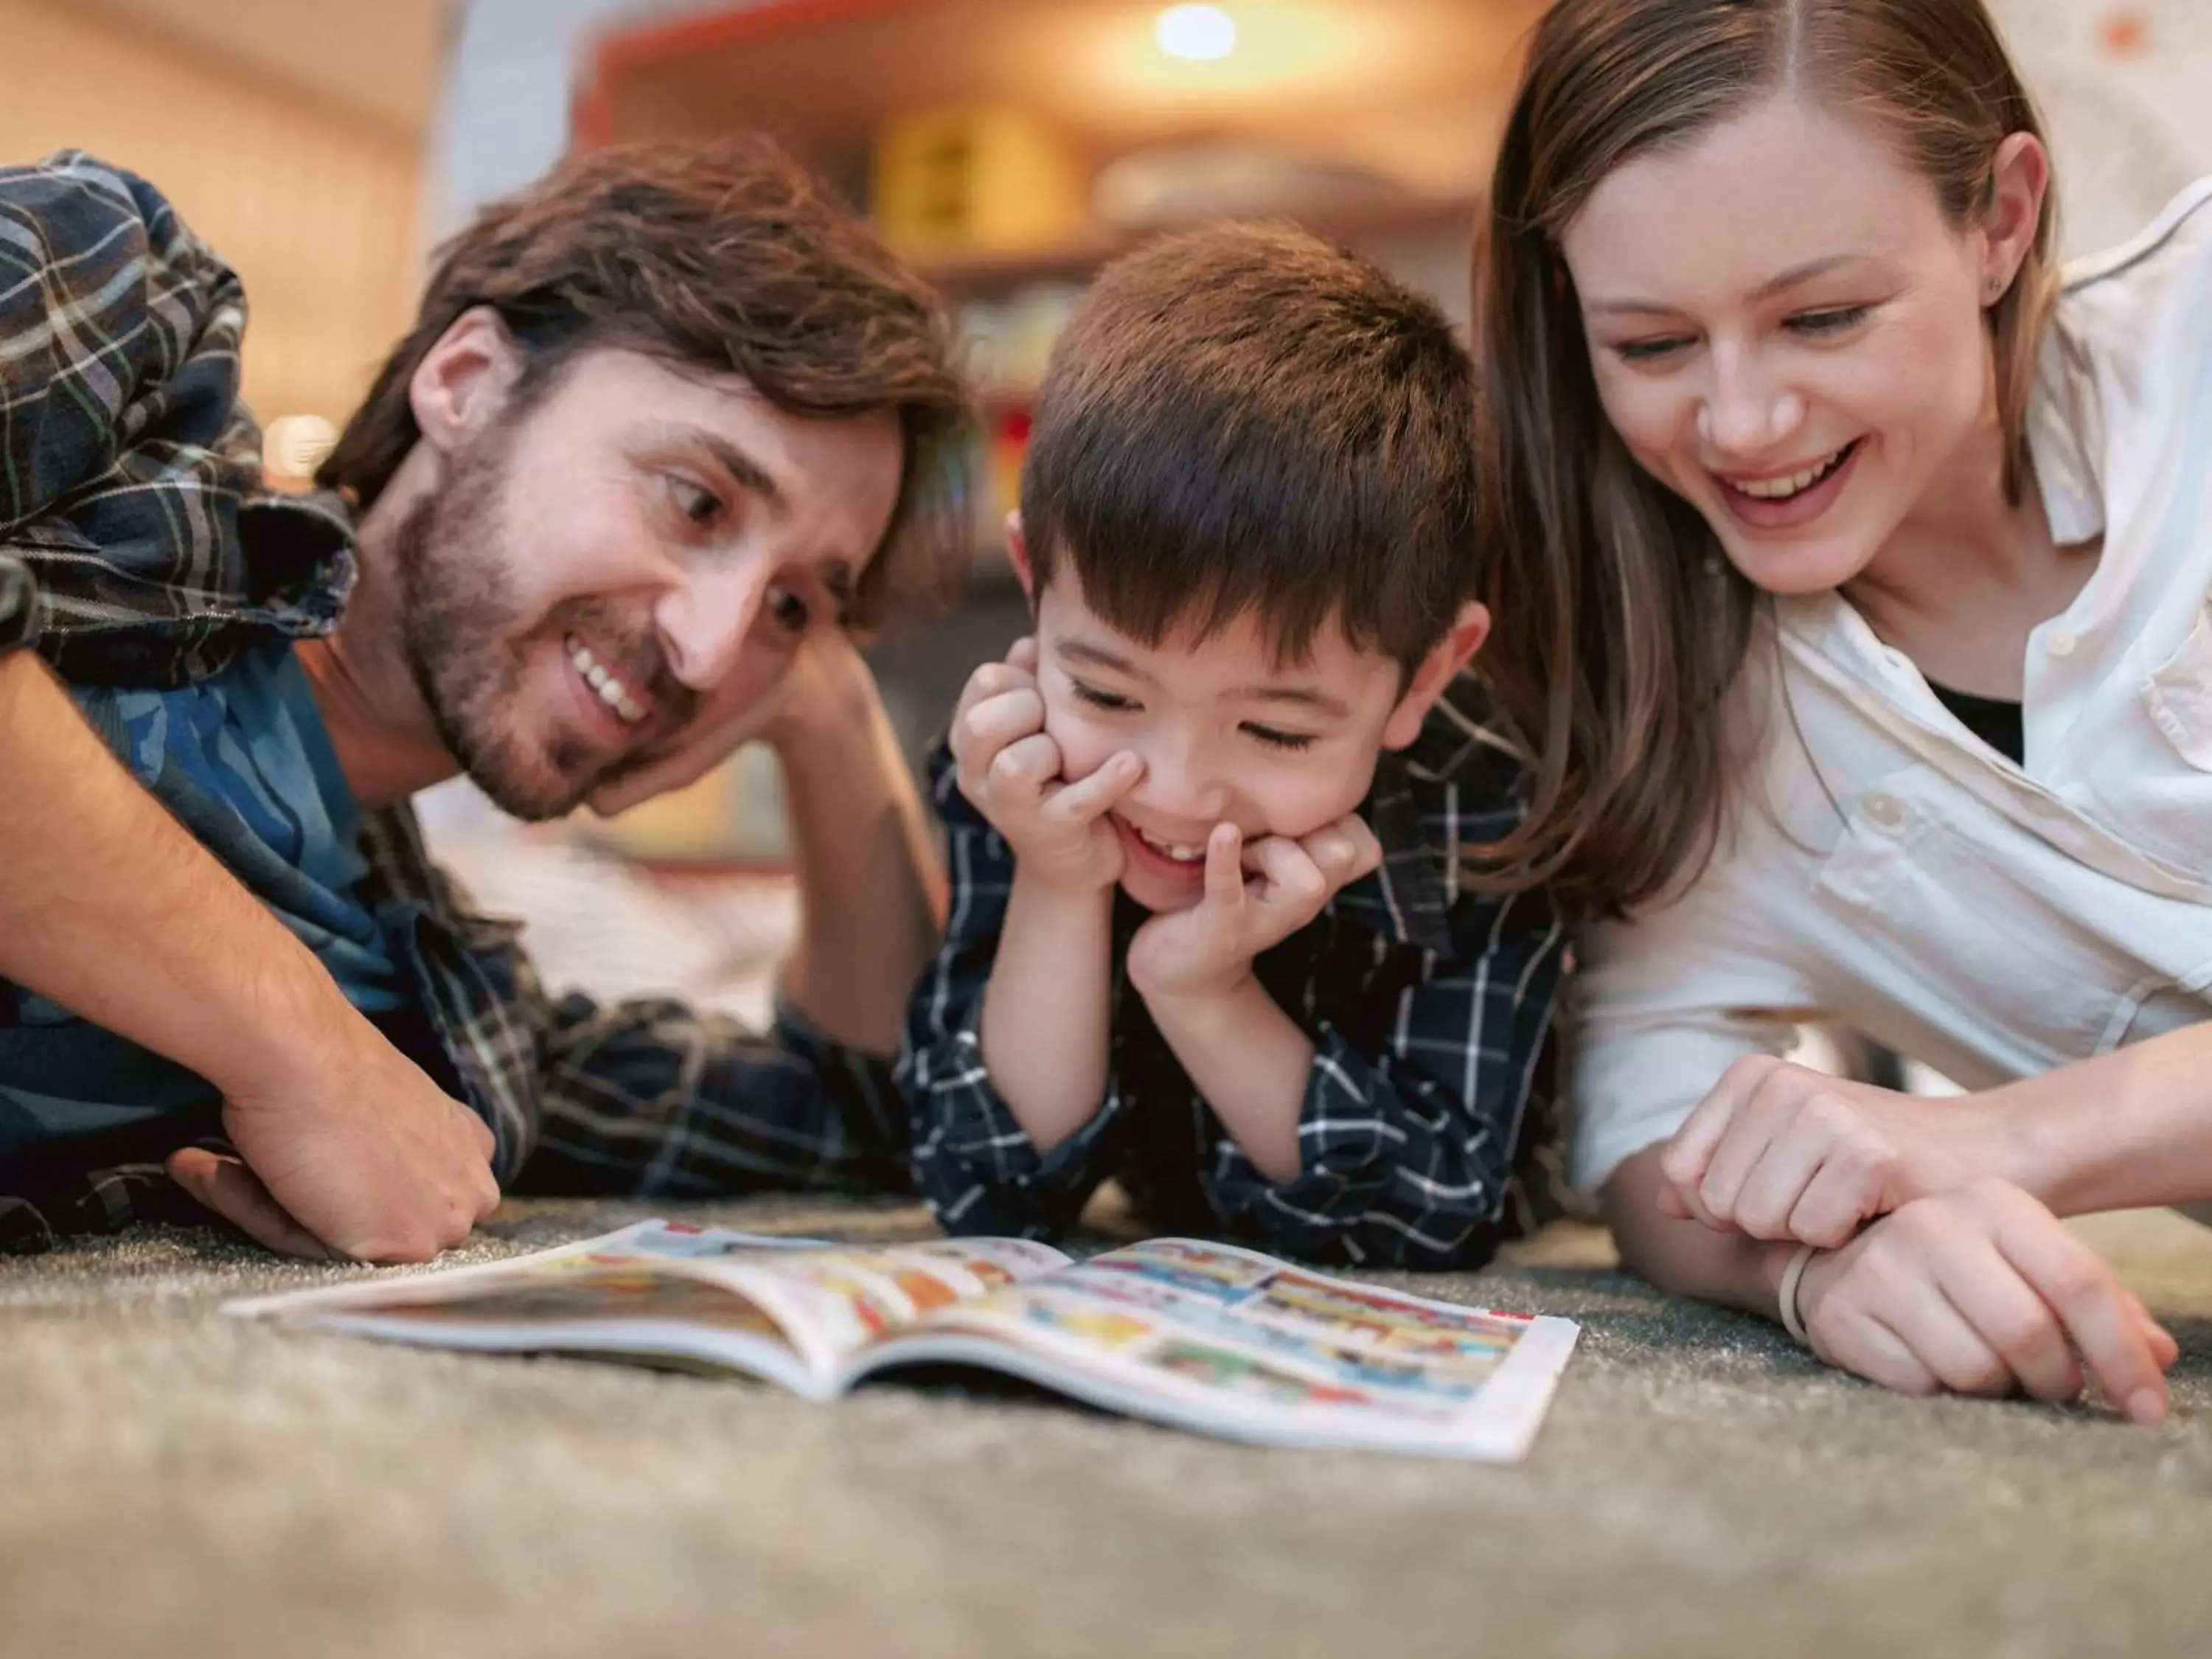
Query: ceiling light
x=1199, y=33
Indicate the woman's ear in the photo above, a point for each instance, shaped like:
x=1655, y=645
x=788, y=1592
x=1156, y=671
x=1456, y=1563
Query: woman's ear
x=2020, y=179
x=1437, y=670
x=463, y=382
x=1017, y=554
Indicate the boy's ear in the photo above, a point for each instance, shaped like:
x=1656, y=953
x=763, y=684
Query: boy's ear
x=1017, y=554
x=463, y=382
x=1446, y=657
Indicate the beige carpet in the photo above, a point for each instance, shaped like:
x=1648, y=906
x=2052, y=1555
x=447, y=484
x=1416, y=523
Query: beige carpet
x=174, y=1483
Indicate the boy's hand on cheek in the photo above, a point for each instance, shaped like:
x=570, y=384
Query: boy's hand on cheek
x=1011, y=772
x=1207, y=950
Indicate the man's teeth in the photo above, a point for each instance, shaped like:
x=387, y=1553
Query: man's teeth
x=612, y=692
x=1776, y=489
x=1173, y=849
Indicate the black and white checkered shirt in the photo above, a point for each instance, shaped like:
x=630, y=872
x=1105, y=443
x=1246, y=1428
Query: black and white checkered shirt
x=130, y=481
x=1427, y=1006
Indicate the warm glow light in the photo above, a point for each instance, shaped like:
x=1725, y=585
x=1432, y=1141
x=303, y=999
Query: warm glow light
x=1199, y=33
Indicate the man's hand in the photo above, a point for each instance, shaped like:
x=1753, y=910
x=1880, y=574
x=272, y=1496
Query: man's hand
x=1011, y=772
x=1781, y=1151
x=1982, y=1291
x=1207, y=948
x=354, y=1151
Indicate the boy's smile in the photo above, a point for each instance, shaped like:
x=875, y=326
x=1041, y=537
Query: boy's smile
x=1229, y=730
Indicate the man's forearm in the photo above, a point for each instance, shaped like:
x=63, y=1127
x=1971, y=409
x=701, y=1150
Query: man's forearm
x=870, y=893
x=1688, y=1257
x=2128, y=1130
x=1047, y=1018
x=109, y=907
x=1251, y=1063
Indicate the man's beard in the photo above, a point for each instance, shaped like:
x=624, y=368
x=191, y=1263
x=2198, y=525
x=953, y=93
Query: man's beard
x=466, y=645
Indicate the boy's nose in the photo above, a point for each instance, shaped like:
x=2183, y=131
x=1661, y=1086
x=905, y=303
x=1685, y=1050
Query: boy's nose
x=1175, y=792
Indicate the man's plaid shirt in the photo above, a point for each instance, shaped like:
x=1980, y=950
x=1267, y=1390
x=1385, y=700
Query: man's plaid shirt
x=1427, y=1006
x=129, y=481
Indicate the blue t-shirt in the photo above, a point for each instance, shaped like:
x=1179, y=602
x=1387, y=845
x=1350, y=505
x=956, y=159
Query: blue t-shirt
x=244, y=760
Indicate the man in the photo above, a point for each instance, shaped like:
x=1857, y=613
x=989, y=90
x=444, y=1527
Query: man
x=668, y=424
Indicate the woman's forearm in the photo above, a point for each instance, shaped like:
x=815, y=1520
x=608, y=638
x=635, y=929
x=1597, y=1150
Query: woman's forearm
x=1688, y=1257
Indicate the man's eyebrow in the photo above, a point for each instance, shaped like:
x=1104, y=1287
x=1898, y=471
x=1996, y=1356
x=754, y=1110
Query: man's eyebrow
x=1778, y=284
x=749, y=473
x=1299, y=697
x=1097, y=656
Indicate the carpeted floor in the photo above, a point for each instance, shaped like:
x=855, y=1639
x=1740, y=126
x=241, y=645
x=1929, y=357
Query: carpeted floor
x=174, y=1483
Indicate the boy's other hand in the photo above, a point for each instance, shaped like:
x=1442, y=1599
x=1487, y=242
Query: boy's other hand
x=354, y=1151
x=1011, y=772
x=1207, y=950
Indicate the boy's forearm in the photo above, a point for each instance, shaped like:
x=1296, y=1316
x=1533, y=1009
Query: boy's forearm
x=1251, y=1062
x=1688, y=1257
x=1047, y=1012
x=109, y=907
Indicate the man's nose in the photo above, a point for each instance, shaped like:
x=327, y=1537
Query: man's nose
x=703, y=622
x=1746, y=412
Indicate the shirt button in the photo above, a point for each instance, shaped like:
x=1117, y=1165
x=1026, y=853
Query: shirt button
x=1883, y=811
x=2060, y=642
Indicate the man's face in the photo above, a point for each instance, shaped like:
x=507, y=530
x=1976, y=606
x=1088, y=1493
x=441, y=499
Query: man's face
x=1228, y=732
x=636, y=554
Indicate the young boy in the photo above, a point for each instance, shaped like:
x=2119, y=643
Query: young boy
x=1208, y=935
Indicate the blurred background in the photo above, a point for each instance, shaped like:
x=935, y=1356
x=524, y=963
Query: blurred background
x=1005, y=146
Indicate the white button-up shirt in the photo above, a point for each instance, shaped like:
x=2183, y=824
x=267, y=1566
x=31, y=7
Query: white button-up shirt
x=1886, y=868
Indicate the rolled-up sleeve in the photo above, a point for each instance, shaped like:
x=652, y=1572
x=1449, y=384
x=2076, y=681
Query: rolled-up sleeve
x=1407, y=1148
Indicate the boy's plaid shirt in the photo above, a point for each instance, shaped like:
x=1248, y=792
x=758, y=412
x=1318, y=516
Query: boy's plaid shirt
x=1427, y=1006
x=129, y=481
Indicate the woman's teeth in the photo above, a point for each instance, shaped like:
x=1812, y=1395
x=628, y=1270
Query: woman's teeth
x=612, y=692
x=1777, y=489
x=1172, y=849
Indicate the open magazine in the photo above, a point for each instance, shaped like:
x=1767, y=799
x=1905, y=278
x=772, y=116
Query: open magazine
x=1202, y=1336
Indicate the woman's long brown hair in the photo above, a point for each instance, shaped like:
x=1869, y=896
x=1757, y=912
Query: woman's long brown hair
x=1620, y=627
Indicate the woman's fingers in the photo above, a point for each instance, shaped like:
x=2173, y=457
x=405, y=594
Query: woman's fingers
x=2099, y=1317
x=2015, y=1322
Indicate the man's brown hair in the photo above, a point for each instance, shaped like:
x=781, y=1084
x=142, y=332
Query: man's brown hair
x=1247, y=419
x=717, y=257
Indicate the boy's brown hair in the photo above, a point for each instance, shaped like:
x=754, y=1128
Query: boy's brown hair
x=718, y=258
x=1247, y=419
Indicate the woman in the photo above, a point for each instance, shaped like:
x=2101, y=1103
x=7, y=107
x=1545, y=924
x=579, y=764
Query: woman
x=1855, y=576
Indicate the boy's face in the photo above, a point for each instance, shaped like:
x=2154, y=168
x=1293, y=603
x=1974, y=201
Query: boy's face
x=1227, y=733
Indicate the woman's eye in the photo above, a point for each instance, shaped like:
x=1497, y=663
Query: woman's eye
x=1114, y=702
x=1836, y=321
x=789, y=611
x=702, y=507
x=1274, y=738
x=1651, y=351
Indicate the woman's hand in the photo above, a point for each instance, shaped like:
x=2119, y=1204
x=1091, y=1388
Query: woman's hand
x=1781, y=1151
x=1982, y=1291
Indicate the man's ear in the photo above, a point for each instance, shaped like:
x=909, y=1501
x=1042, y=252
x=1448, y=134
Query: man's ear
x=1017, y=554
x=463, y=382
x=1446, y=657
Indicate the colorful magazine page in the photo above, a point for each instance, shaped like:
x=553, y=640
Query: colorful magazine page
x=790, y=1311
x=1211, y=1337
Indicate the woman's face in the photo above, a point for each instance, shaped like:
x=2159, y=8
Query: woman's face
x=1787, y=333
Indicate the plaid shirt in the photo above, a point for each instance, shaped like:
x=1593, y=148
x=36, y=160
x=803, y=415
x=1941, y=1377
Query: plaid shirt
x=1427, y=1007
x=130, y=481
